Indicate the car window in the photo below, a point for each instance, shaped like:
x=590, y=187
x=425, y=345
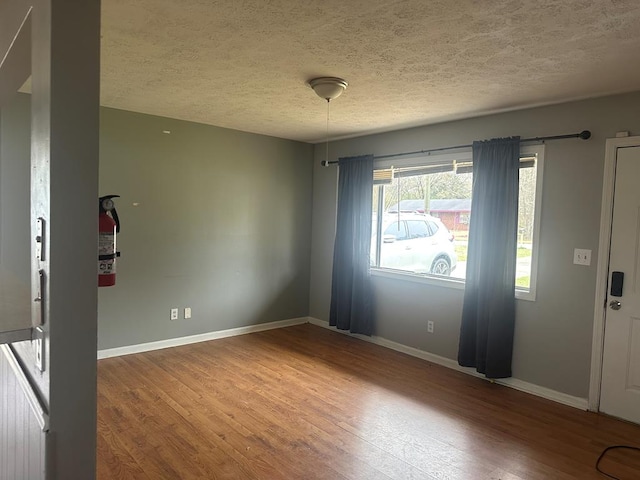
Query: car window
x=398, y=230
x=433, y=226
x=418, y=229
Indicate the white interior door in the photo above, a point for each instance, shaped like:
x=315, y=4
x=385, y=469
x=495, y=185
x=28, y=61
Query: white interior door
x=620, y=389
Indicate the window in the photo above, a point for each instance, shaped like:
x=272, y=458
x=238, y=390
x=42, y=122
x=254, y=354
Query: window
x=397, y=230
x=421, y=216
x=419, y=229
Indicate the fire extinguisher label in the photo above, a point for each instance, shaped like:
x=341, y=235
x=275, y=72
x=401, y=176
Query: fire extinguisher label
x=106, y=246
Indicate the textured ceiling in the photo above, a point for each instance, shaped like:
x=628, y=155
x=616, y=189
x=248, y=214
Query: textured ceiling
x=244, y=64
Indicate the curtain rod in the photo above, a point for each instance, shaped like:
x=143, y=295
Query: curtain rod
x=583, y=135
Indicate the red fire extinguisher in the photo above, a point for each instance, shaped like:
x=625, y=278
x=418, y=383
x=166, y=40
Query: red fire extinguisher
x=109, y=226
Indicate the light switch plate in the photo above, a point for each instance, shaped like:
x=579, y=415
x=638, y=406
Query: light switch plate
x=582, y=256
x=187, y=312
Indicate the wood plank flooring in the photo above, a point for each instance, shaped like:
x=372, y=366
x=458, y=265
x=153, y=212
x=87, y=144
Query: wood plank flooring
x=307, y=403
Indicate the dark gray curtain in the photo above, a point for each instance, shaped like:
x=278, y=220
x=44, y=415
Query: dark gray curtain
x=351, y=287
x=488, y=313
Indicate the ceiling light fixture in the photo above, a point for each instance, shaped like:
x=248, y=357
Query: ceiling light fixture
x=328, y=88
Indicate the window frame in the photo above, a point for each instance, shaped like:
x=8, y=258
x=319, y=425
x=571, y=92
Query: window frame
x=465, y=157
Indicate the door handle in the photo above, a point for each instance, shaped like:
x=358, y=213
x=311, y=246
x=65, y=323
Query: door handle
x=615, y=305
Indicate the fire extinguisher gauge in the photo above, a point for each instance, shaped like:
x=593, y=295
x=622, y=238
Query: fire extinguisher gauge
x=106, y=203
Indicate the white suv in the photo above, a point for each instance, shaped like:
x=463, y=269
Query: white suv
x=416, y=243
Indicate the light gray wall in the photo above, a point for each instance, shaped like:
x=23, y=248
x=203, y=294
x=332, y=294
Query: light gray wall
x=553, y=334
x=64, y=44
x=15, y=233
x=15, y=218
x=223, y=223
x=222, y=226
x=64, y=185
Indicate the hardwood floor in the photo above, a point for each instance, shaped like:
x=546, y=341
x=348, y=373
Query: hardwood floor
x=307, y=403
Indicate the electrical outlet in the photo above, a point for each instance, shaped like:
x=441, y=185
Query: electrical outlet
x=582, y=256
x=174, y=314
x=430, y=326
x=187, y=312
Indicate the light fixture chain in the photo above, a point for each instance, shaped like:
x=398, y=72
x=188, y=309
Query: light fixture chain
x=327, y=138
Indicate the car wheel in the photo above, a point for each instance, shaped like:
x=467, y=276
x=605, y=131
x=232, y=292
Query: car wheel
x=441, y=266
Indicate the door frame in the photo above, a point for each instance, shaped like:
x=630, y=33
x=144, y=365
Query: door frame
x=604, y=250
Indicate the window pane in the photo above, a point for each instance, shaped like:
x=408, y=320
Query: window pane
x=430, y=205
x=418, y=229
x=526, y=212
x=397, y=230
x=424, y=220
x=377, y=197
x=374, y=205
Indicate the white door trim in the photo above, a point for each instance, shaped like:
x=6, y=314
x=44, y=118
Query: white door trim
x=604, y=249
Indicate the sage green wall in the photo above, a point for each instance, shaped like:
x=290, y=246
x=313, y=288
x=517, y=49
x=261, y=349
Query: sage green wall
x=222, y=225
x=553, y=334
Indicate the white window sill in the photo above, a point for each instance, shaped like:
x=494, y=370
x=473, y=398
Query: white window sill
x=446, y=282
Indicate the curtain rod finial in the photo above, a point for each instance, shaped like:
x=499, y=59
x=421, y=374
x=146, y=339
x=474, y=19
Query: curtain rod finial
x=324, y=163
x=585, y=135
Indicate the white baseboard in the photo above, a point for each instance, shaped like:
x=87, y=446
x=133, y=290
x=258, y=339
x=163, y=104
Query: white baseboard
x=203, y=337
x=570, y=400
x=577, y=402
